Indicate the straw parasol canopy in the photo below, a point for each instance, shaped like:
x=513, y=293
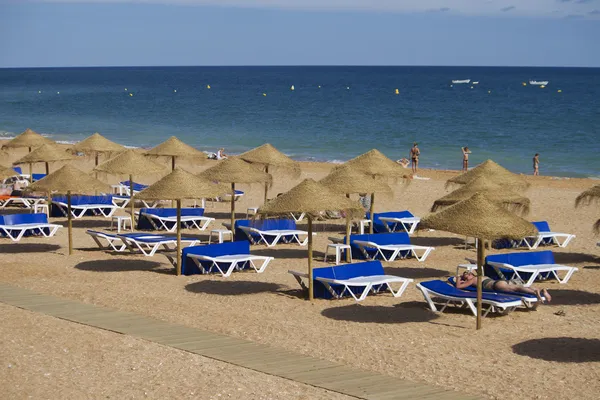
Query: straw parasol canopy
x=494, y=173
x=97, y=144
x=6, y=172
x=377, y=165
x=235, y=170
x=494, y=192
x=310, y=197
x=68, y=180
x=46, y=153
x=180, y=185
x=588, y=197
x=268, y=156
x=479, y=217
x=131, y=163
x=173, y=147
x=28, y=139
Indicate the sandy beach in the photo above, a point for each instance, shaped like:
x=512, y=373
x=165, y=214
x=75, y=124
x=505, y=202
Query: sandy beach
x=550, y=353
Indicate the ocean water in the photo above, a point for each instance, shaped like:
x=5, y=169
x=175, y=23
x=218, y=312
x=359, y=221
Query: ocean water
x=333, y=113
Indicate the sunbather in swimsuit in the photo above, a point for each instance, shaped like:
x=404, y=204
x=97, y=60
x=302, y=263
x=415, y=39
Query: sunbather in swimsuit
x=468, y=278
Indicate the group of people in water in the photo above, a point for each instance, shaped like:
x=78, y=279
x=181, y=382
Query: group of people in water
x=415, y=153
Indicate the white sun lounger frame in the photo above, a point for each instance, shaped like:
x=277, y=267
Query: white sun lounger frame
x=532, y=242
x=234, y=260
x=396, y=250
x=28, y=202
x=368, y=283
x=199, y=222
x=535, y=270
x=149, y=248
x=78, y=211
x=22, y=228
x=409, y=224
x=470, y=303
x=277, y=234
x=123, y=202
x=112, y=241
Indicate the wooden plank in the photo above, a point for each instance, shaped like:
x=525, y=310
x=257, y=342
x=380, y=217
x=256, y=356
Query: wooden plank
x=300, y=368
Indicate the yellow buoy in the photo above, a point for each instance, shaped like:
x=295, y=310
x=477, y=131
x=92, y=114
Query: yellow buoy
x=524, y=84
x=542, y=86
x=208, y=86
x=264, y=94
x=559, y=91
x=130, y=94
x=292, y=88
x=397, y=91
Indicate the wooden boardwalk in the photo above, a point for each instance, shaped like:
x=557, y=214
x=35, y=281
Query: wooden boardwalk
x=311, y=371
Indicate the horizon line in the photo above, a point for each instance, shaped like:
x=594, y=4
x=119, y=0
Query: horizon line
x=301, y=65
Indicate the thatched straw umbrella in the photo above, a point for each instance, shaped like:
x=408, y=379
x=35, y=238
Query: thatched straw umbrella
x=494, y=173
x=181, y=185
x=130, y=163
x=173, y=147
x=268, y=156
x=235, y=170
x=6, y=172
x=377, y=165
x=29, y=139
x=97, y=144
x=588, y=197
x=310, y=197
x=69, y=180
x=46, y=153
x=498, y=194
x=348, y=181
x=478, y=217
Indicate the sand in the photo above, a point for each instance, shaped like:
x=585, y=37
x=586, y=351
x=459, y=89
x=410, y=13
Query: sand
x=551, y=353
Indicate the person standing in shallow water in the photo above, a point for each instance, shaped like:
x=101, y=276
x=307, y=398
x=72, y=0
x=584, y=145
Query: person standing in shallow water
x=414, y=157
x=536, y=164
x=466, y=152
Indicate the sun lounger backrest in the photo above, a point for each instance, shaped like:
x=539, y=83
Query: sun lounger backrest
x=18, y=219
x=343, y=272
x=188, y=267
x=37, y=177
x=136, y=186
x=542, y=226
x=172, y=212
x=81, y=200
x=383, y=238
x=18, y=170
x=378, y=225
x=517, y=260
x=263, y=225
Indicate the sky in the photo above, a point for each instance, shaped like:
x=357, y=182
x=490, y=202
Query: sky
x=51, y=33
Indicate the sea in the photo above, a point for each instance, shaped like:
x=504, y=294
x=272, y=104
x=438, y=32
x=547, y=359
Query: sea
x=323, y=113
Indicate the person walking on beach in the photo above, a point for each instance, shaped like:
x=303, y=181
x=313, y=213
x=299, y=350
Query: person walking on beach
x=536, y=164
x=466, y=152
x=468, y=278
x=414, y=157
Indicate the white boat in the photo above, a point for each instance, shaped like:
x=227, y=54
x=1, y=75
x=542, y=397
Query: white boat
x=538, y=83
x=461, y=81
x=476, y=83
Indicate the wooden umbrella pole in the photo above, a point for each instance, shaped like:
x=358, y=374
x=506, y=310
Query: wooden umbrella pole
x=47, y=169
x=30, y=173
x=348, y=231
x=232, y=210
x=131, y=201
x=178, y=237
x=266, y=186
x=69, y=222
x=480, y=261
x=311, y=295
x=173, y=163
x=96, y=172
x=371, y=212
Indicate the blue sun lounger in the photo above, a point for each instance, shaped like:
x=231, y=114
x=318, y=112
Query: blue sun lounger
x=356, y=280
x=166, y=219
x=147, y=243
x=394, y=221
x=15, y=226
x=83, y=205
x=387, y=246
x=442, y=293
x=270, y=231
x=529, y=300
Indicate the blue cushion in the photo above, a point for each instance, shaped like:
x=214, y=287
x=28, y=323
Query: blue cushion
x=542, y=226
x=262, y=225
x=145, y=224
x=19, y=219
x=471, y=288
x=378, y=238
x=379, y=226
x=189, y=267
x=342, y=272
x=37, y=177
x=516, y=260
x=444, y=288
x=137, y=187
x=18, y=170
x=78, y=200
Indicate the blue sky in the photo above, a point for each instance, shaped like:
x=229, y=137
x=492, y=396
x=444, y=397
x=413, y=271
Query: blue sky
x=49, y=33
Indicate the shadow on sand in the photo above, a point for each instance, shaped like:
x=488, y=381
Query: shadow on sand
x=232, y=288
x=122, y=265
x=416, y=272
x=572, y=258
x=20, y=247
x=400, y=313
x=571, y=297
x=560, y=349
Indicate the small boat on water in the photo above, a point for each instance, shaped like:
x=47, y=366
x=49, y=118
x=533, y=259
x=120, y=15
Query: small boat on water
x=461, y=81
x=476, y=83
x=538, y=83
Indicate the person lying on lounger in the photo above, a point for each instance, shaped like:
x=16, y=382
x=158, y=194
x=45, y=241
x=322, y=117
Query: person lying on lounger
x=468, y=278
